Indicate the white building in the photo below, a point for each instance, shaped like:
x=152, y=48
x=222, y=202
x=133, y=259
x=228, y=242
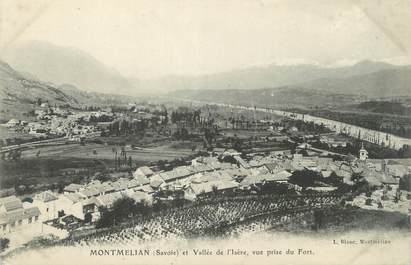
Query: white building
x=71, y=203
x=47, y=204
x=14, y=215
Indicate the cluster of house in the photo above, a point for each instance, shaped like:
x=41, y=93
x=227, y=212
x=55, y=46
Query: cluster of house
x=47, y=112
x=376, y=171
x=59, y=122
x=205, y=175
x=334, y=140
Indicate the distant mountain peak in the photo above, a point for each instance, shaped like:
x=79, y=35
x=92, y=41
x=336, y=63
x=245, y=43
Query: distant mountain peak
x=60, y=65
x=370, y=63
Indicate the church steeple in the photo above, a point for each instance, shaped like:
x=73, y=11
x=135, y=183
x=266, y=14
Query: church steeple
x=363, y=153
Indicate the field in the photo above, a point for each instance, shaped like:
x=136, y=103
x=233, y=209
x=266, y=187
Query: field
x=41, y=172
x=6, y=133
x=245, y=134
x=107, y=152
x=44, y=165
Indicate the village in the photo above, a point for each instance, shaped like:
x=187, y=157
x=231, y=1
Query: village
x=281, y=158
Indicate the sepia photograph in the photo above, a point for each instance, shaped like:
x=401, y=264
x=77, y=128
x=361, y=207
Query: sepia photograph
x=205, y=132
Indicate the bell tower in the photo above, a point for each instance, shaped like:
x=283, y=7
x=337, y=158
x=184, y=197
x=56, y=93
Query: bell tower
x=363, y=153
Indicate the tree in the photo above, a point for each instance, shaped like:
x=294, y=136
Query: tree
x=88, y=217
x=361, y=185
x=161, y=164
x=368, y=201
x=107, y=218
x=4, y=243
x=318, y=219
x=304, y=178
x=357, y=178
x=214, y=189
x=102, y=177
x=125, y=159
x=184, y=134
x=121, y=210
x=405, y=183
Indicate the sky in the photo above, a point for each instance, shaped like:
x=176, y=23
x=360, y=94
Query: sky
x=146, y=39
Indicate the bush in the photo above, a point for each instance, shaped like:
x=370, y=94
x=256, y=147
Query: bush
x=304, y=178
x=344, y=188
x=368, y=202
x=4, y=243
x=405, y=183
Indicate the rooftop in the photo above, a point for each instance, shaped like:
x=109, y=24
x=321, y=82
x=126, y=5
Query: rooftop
x=46, y=196
x=18, y=214
x=73, y=187
x=11, y=203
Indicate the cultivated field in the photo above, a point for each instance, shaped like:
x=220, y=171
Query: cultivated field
x=45, y=165
x=101, y=151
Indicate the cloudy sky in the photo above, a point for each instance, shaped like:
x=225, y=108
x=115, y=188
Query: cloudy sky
x=157, y=38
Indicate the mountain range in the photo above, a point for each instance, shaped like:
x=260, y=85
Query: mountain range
x=268, y=76
x=67, y=76
x=62, y=65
